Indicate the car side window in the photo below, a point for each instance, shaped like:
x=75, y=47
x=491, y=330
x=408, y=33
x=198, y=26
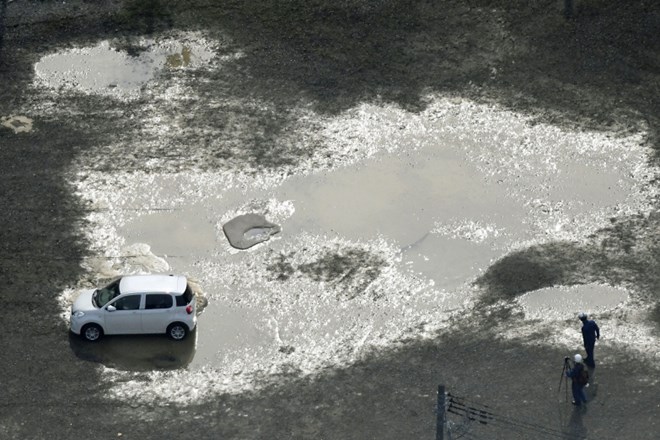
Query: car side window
x=130, y=302
x=158, y=301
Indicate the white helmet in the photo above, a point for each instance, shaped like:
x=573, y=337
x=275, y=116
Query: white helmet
x=582, y=315
x=577, y=359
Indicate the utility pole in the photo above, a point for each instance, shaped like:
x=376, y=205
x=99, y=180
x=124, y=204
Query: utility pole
x=3, y=12
x=440, y=414
x=568, y=8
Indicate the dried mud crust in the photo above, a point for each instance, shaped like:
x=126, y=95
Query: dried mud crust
x=201, y=299
x=594, y=71
x=349, y=272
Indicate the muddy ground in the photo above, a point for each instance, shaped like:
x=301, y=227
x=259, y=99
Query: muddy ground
x=259, y=110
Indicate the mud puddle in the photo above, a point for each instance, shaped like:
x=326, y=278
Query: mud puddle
x=17, y=123
x=428, y=222
x=181, y=235
x=229, y=329
x=564, y=302
x=109, y=69
x=405, y=198
x=376, y=248
x=384, y=212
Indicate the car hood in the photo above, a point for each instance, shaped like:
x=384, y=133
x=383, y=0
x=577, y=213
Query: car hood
x=84, y=301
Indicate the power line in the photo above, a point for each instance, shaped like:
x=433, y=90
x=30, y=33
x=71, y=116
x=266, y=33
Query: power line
x=482, y=414
x=88, y=210
x=18, y=256
x=486, y=417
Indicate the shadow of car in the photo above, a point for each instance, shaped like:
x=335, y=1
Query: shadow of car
x=136, y=352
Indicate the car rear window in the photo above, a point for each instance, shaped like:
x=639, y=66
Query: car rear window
x=185, y=297
x=158, y=301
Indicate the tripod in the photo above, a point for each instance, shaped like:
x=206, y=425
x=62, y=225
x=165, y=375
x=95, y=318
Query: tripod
x=563, y=379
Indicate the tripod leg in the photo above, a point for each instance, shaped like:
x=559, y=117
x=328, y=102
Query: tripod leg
x=563, y=376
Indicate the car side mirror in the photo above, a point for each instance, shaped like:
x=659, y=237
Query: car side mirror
x=111, y=308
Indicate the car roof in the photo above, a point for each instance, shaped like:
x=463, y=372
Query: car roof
x=153, y=283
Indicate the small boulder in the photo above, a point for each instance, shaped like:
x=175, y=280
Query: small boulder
x=247, y=230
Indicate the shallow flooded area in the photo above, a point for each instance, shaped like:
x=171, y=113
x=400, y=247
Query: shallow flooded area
x=370, y=250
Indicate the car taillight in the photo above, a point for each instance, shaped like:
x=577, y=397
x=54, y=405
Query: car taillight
x=189, y=309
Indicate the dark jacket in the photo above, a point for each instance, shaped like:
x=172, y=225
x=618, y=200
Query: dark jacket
x=574, y=373
x=590, y=331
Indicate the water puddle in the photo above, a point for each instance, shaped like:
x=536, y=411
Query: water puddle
x=408, y=199
x=449, y=261
x=18, y=124
x=228, y=329
x=182, y=235
x=565, y=302
x=107, y=69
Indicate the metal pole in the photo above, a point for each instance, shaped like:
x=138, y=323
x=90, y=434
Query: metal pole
x=440, y=414
x=562, y=377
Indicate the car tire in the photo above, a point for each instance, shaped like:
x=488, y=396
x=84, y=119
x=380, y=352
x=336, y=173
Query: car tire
x=91, y=332
x=177, y=331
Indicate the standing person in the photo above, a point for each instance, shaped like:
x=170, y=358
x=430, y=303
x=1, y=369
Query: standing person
x=578, y=380
x=590, y=332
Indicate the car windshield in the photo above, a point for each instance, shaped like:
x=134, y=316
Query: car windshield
x=105, y=294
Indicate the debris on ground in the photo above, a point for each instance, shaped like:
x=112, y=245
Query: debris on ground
x=247, y=230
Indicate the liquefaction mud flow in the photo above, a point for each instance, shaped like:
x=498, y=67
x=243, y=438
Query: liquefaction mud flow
x=376, y=247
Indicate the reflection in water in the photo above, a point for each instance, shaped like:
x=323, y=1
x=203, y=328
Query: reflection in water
x=137, y=352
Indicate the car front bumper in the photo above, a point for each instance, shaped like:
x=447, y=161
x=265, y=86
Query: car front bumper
x=75, y=325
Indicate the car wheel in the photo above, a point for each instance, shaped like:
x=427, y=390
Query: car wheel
x=92, y=332
x=177, y=331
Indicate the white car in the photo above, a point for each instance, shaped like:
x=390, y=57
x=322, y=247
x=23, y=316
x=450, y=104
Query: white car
x=136, y=304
